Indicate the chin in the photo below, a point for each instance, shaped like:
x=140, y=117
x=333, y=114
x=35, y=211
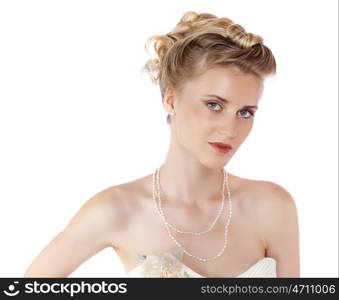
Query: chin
x=213, y=163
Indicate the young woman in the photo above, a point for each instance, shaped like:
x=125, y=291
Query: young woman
x=191, y=218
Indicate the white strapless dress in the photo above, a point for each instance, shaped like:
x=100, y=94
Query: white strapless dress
x=170, y=264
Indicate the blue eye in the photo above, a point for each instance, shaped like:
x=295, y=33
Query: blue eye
x=248, y=115
x=214, y=106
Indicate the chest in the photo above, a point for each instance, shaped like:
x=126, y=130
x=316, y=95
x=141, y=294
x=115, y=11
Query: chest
x=148, y=235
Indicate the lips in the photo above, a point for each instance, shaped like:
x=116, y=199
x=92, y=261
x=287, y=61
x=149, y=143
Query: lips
x=221, y=147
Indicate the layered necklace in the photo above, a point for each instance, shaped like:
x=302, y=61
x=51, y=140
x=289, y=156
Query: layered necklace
x=157, y=201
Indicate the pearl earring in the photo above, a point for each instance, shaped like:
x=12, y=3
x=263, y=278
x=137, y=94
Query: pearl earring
x=172, y=113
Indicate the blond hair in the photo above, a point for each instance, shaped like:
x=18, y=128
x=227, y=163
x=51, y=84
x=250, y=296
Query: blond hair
x=201, y=41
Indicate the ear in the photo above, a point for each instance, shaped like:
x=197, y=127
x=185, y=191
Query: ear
x=169, y=100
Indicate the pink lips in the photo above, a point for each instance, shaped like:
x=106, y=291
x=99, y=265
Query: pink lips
x=221, y=147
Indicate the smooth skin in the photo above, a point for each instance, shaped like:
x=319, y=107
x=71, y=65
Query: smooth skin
x=123, y=217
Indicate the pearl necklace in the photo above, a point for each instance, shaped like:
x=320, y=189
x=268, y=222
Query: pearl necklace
x=191, y=232
x=175, y=241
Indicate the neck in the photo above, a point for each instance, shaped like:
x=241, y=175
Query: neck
x=185, y=180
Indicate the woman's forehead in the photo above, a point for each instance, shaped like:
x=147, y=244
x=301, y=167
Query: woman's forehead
x=225, y=81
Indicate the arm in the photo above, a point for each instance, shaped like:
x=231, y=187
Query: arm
x=280, y=229
x=93, y=228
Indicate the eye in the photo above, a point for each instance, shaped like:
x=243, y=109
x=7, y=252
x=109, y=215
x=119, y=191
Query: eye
x=213, y=103
x=248, y=113
x=244, y=113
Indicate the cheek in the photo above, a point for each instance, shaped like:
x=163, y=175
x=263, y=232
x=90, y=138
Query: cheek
x=190, y=124
x=191, y=115
x=245, y=130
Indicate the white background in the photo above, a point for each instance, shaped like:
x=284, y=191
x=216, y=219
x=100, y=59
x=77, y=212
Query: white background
x=77, y=116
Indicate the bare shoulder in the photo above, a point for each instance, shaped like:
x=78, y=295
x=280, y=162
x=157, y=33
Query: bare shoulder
x=265, y=195
x=116, y=206
x=271, y=203
x=277, y=221
x=274, y=201
x=106, y=213
x=99, y=223
x=111, y=203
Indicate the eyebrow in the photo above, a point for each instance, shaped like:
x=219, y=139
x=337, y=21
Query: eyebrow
x=227, y=101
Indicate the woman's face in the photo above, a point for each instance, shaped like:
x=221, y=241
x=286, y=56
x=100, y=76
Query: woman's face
x=202, y=116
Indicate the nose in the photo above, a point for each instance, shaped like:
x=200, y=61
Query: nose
x=228, y=128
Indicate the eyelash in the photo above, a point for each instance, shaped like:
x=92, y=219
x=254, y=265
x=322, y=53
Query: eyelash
x=250, y=111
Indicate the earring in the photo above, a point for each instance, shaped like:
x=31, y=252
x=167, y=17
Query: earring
x=172, y=113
